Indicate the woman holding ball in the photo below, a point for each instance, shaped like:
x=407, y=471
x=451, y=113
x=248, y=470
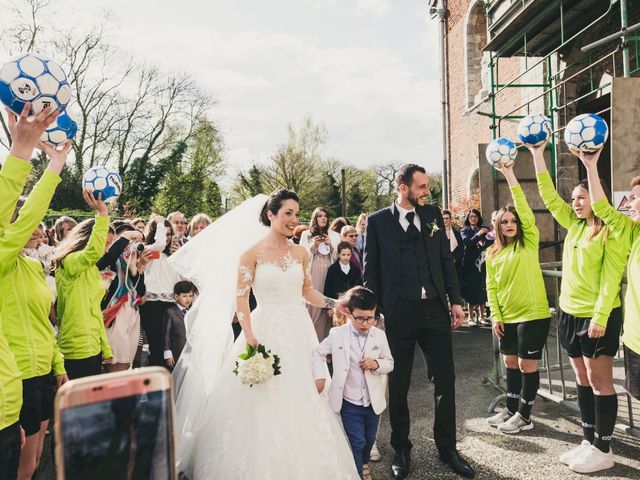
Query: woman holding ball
x=82, y=336
x=518, y=301
x=590, y=318
x=28, y=351
x=627, y=230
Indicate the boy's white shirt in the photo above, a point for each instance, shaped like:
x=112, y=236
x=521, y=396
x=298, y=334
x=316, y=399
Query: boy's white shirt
x=338, y=344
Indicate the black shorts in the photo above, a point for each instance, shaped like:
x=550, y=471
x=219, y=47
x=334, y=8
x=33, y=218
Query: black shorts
x=632, y=379
x=37, y=403
x=83, y=367
x=10, y=451
x=574, y=335
x=525, y=339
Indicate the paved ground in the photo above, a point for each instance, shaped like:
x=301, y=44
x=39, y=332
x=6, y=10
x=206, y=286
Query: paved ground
x=529, y=456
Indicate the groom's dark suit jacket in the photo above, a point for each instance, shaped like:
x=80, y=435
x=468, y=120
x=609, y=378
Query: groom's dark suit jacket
x=382, y=247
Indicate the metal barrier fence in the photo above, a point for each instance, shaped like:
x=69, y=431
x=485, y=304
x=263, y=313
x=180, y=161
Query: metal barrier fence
x=556, y=373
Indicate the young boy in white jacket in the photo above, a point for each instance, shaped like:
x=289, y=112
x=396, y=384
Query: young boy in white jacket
x=361, y=360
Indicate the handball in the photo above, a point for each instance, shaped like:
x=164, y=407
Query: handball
x=35, y=78
x=103, y=180
x=534, y=129
x=586, y=133
x=62, y=129
x=501, y=152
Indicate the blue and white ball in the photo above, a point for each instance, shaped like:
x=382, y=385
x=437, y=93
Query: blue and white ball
x=104, y=180
x=534, y=129
x=64, y=128
x=35, y=78
x=586, y=133
x=501, y=152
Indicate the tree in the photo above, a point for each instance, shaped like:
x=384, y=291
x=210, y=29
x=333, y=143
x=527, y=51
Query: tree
x=295, y=164
x=192, y=187
x=356, y=199
x=249, y=185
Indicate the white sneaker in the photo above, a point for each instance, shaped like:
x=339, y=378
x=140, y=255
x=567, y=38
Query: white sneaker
x=375, y=454
x=574, y=453
x=592, y=460
x=500, y=417
x=515, y=424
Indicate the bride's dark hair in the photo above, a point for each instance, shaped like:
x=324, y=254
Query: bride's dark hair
x=274, y=203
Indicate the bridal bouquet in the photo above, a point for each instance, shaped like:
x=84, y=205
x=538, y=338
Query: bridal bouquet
x=257, y=365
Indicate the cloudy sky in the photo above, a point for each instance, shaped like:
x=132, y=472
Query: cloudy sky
x=367, y=69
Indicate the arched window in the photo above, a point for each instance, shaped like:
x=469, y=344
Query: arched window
x=477, y=80
x=474, y=183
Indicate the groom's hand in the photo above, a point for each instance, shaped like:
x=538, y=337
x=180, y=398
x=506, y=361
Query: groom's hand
x=457, y=316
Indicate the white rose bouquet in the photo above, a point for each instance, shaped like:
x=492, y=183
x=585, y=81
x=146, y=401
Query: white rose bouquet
x=257, y=365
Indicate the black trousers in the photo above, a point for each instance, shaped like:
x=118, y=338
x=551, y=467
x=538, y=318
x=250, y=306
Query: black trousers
x=153, y=322
x=426, y=323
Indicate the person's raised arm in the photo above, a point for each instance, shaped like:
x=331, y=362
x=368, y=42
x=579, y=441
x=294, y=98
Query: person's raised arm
x=79, y=261
x=537, y=152
x=246, y=274
x=590, y=162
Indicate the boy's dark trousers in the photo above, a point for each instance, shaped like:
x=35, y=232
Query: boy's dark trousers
x=361, y=426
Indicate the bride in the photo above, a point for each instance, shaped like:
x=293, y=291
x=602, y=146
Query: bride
x=281, y=429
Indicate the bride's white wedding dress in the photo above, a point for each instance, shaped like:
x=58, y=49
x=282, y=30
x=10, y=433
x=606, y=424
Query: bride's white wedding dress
x=279, y=430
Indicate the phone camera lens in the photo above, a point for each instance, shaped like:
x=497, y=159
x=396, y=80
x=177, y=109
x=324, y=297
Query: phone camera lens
x=147, y=381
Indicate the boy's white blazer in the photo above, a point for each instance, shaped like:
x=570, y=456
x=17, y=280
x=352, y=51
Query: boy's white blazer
x=338, y=344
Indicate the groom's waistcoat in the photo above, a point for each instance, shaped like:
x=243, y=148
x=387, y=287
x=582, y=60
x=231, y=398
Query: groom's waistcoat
x=415, y=273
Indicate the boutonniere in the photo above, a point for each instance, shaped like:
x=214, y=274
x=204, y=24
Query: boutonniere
x=432, y=227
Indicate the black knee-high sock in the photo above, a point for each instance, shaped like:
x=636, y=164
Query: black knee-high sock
x=606, y=413
x=514, y=386
x=587, y=406
x=530, y=384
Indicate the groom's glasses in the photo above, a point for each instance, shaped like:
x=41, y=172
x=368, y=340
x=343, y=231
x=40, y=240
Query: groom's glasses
x=364, y=319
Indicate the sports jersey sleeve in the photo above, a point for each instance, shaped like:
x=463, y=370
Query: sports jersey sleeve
x=13, y=177
x=80, y=261
x=527, y=218
x=561, y=210
x=621, y=226
x=17, y=234
x=57, y=361
x=613, y=263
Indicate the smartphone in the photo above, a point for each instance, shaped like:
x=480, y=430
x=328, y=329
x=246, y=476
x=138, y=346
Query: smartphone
x=116, y=426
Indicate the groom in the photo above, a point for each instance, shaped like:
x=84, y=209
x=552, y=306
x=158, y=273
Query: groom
x=408, y=265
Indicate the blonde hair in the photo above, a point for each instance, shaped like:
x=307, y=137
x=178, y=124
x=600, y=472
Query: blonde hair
x=198, y=218
x=346, y=230
x=75, y=241
x=359, y=223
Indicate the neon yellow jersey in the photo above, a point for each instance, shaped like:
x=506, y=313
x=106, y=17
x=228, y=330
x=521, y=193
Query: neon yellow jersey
x=25, y=298
x=515, y=287
x=80, y=290
x=591, y=269
x=13, y=177
x=628, y=233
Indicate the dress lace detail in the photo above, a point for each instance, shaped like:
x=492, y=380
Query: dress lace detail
x=282, y=429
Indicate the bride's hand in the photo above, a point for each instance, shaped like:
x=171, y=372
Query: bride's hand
x=252, y=340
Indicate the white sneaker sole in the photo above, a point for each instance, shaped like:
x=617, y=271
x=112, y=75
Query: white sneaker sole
x=521, y=429
x=577, y=469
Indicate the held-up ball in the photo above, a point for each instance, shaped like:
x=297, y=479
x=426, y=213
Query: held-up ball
x=103, y=180
x=62, y=129
x=534, y=129
x=586, y=133
x=501, y=151
x=35, y=78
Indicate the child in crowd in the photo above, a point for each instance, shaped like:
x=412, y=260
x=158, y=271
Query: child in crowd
x=357, y=388
x=175, y=331
x=342, y=275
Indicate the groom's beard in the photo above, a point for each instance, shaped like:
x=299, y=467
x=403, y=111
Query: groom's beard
x=413, y=200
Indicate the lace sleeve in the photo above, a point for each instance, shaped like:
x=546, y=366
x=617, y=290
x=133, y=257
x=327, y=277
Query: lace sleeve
x=306, y=283
x=246, y=274
x=311, y=295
